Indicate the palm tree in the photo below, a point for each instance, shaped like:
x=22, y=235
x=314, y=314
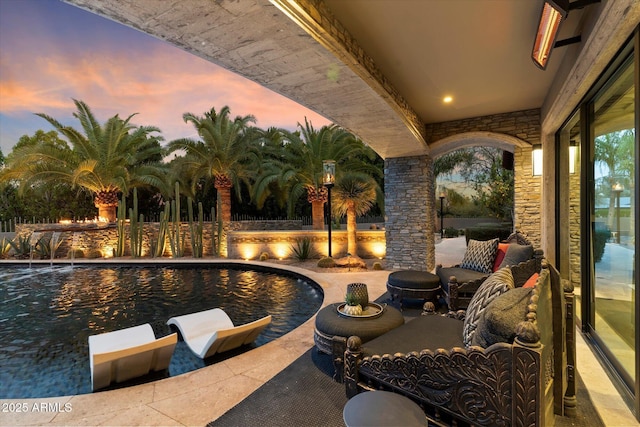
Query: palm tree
x=227, y=153
x=106, y=159
x=297, y=164
x=354, y=194
x=611, y=151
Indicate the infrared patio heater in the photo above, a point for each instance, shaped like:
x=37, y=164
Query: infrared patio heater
x=552, y=14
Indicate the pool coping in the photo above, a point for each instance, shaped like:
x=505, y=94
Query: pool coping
x=193, y=398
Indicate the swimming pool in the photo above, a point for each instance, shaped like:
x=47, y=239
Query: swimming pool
x=47, y=314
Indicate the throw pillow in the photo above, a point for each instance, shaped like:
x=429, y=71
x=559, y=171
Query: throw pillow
x=502, y=251
x=531, y=281
x=480, y=255
x=517, y=254
x=498, y=283
x=498, y=321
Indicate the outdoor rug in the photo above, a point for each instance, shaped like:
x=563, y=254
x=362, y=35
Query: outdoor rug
x=304, y=394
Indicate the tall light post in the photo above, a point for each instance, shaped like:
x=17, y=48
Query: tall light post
x=328, y=180
x=617, y=189
x=442, y=197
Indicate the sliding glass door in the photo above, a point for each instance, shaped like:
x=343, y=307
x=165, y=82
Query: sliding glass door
x=613, y=226
x=597, y=168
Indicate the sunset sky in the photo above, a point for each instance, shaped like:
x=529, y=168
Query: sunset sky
x=51, y=52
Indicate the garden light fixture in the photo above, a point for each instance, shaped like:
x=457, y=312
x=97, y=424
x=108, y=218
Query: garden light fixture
x=328, y=180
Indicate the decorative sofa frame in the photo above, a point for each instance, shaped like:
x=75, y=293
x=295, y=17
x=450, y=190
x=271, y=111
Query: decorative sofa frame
x=460, y=284
x=519, y=384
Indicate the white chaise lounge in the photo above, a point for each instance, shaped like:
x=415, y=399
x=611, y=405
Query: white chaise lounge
x=212, y=331
x=128, y=353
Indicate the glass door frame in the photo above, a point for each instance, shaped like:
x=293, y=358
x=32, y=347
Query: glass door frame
x=628, y=387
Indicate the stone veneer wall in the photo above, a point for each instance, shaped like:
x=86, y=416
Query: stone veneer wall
x=524, y=125
x=575, y=269
x=409, y=209
x=102, y=240
x=279, y=244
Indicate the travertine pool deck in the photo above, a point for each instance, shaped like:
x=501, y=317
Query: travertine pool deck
x=199, y=397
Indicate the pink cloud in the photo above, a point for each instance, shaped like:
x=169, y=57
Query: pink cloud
x=160, y=85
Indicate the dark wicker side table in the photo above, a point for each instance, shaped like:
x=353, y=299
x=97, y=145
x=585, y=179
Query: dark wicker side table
x=332, y=331
x=413, y=284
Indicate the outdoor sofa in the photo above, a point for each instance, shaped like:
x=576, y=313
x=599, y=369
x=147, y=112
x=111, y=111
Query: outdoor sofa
x=460, y=282
x=508, y=360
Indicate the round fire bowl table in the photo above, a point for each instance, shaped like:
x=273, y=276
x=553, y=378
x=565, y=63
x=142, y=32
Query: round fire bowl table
x=333, y=329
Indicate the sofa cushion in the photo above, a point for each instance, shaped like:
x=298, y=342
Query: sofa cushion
x=501, y=252
x=480, y=255
x=423, y=332
x=463, y=275
x=516, y=254
x=498, y=321
x=498, y=283
x=531, y=281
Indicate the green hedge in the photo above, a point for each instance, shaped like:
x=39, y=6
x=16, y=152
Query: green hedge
x=600, y=236
x=487, y=233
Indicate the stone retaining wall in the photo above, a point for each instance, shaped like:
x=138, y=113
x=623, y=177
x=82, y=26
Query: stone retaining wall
x=280, y=244
x=100, y=241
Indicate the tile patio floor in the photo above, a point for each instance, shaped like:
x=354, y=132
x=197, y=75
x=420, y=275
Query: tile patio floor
x=198, y=397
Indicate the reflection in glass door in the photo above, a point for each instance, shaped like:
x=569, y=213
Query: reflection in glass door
x=612, y=220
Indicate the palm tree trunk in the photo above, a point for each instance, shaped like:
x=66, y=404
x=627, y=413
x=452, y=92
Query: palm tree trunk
x=352, y=243
x=317, y=214
x=223, y=185
x=225, y=203
x=106, y=201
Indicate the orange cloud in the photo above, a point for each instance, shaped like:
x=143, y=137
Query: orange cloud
x=160, y=85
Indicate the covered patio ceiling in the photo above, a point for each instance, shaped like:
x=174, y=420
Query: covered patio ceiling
x=379, y=68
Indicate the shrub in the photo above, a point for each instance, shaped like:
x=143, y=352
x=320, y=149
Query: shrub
x=5, y=247
x=75, y=253
x=326, y=262
x=21, y=246
x=487, y=232
x=94, y=253
x=303, y=249
x=377, y=265
x=451, y=232
x=600, y=236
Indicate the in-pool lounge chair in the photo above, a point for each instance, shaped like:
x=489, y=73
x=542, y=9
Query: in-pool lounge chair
x=212, y=331
x=128, y=353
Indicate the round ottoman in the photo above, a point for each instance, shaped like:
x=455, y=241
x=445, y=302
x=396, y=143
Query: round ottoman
x=413, y=284
x=330, y=324
x=332, y=330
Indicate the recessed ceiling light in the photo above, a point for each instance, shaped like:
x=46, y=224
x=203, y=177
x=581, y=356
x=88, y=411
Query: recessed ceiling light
x=447, y=99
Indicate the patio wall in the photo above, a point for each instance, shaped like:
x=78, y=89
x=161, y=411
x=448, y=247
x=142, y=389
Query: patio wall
x=280, y=244
x=102, y=239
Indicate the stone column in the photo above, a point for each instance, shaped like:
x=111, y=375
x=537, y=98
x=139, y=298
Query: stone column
x=527, y=196
x=409, y=207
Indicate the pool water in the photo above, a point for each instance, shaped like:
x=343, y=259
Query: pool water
x=47, y=315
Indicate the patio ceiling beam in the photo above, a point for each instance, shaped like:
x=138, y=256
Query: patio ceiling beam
x=255, y=39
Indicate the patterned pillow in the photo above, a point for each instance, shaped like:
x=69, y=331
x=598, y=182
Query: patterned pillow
x=480, y=255
x=497, y=284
